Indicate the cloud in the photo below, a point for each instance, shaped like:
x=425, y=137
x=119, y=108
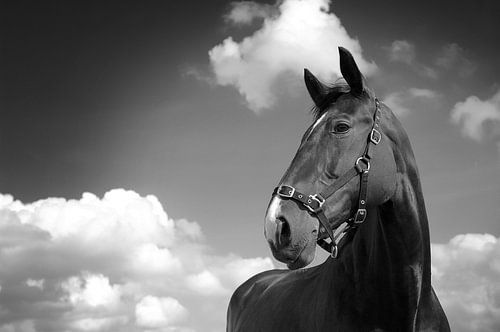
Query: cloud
x=404, y=51
x=206, y=283
x=297, y=34
x=403, y=102
x=116, y=263
x=452, y=56
x=81, y=265
x=24, y=326
x=478, y=119
x=245, y=12
x=422, y=93
x=35, y=283
x=99, y=324
x=198, y=73
x=401, y=51
x=466, y=277
x=91, y=290
x=154, y=312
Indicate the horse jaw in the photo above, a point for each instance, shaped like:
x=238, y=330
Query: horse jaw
x=305, y=257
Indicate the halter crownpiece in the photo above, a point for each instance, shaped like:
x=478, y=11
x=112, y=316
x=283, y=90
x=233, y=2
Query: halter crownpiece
x=314, y=203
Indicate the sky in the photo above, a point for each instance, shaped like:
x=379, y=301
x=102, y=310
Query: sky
x=141, y=141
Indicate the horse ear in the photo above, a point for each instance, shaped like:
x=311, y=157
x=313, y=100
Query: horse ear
x=317, y=90
x=350, y=71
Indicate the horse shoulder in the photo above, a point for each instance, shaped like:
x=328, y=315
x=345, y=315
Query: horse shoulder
x=247, y=295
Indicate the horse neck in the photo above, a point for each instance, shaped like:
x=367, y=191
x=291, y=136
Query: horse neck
x=386, y=264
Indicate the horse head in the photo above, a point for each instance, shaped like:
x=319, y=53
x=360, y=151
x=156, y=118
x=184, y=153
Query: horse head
x=336, y=143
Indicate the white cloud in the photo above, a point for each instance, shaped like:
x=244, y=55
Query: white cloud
x=422, y=93
x=88, y=285
x=466, y=277
x=88, y=264
x=478, y=118
x=404, y=51
x=150, y=258
x=99, y=324
x=22, y=326
x=301, y=34
x=245, y=12
x=91, y=290
x=190, y=229
x=156, y=312
x=206, y=283
x=453, y=57
x=129, y=216
x=35, y=283
x=401, y=51
x=242, y=268
x=403, y=102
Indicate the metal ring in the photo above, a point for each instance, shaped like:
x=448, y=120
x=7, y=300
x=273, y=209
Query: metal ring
x=335, y=251
x=366, y=161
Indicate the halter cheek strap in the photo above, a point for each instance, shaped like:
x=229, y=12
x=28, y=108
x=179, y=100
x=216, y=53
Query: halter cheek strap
x=314, y=203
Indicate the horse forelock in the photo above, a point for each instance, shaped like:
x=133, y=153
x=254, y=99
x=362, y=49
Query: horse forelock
x=337, y=90
x=334, y=92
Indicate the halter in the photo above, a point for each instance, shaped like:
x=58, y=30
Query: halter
x=314, y=203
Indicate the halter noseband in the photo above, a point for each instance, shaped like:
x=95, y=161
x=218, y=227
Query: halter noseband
x=314, y=203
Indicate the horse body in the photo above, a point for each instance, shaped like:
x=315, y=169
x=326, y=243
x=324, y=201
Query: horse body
x=360, y=291
x=381, y=280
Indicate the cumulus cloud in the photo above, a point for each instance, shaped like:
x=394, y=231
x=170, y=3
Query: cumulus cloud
x=99, y=324
x=82, y=265
x=404, y=51
x=466, y=277
x=403, y=102
x=154, y=312
x=205, y=283
x=91, y=290
x=478, y=118
x=35, y=283
x=401, y=51
x=23, y=326
x=450, y=58
x=245, y=12
x=453, y=56
x=295, y=35
x=116, y=263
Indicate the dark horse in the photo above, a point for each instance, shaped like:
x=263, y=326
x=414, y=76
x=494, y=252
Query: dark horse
x=355, y=173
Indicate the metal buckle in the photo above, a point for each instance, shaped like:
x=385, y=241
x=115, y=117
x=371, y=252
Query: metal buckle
x=375, y=136
x=335, y=251
x=359, y=168
x=286, y=191
x=317, y=198
x=360, y=216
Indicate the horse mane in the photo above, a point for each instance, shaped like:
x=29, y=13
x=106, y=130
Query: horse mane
x=337, y=89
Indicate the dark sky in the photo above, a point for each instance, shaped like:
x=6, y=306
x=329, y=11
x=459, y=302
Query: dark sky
x=71, y=71
x=95, y=95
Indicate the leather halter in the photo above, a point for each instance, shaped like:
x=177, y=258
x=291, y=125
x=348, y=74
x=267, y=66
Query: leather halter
x=314, y=203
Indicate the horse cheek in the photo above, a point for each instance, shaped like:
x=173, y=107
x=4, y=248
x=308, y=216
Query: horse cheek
x=382, y=178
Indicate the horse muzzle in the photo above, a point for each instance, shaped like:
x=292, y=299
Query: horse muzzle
x=287, y=235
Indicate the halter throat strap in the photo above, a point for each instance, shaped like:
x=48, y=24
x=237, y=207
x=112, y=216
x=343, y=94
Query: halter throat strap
x=314, y=203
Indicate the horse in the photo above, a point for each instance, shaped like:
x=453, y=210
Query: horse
x=353, y=188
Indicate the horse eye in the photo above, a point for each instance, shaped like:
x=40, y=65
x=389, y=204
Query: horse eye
x=341, y=127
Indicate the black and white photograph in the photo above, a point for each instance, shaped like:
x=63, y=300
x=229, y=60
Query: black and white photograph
x=249, y=166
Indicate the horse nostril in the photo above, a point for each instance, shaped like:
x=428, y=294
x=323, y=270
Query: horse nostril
x=283, y=232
